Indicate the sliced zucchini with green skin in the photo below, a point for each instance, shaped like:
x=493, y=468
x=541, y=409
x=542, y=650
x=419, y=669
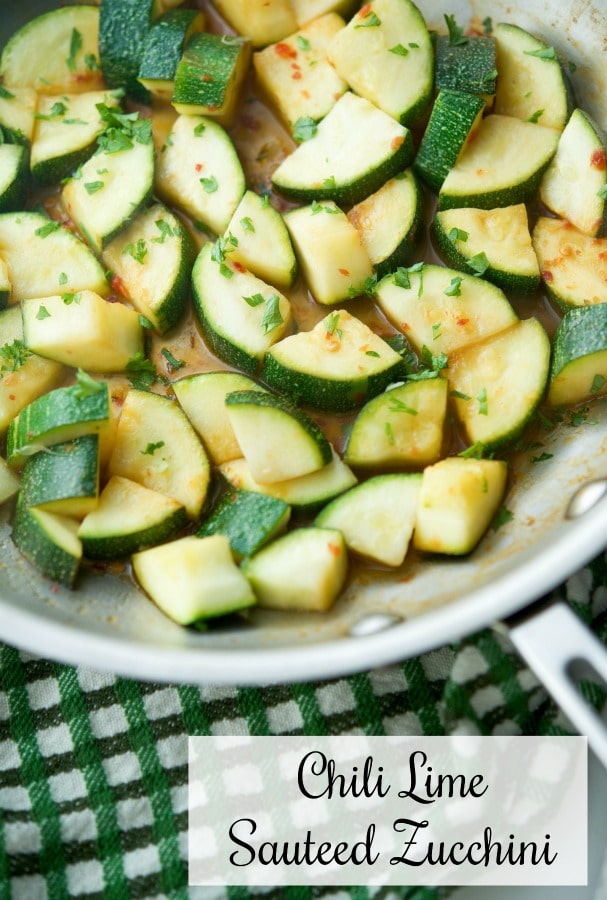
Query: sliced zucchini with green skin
x=385, y=54
x=573, y=265
x=443, y=309
x=262, y=242
x=128, y=518
x=49, y=542
x=454, y=121
x=5, y=285
x=83, y=330
x=532, y=83
x=404, y=426
x=17, y=111
x=9, y=482
x=202, y=398
x=123, y=28
x=210, y=77
x=355, y=149
x=468, y=66
x=263, y=21
x=304, y=570
x=13, y=177
x=55, y=52
x=101, y=205
x=199, y=172
x=336, y=367
x=163, y=48
x=63, y=262
x=249, y=520
x=390, y=222
x=579, y=361
x=277, y=439
x=66, y=133
x=59, y=416
x=377, y=517
x=193, y=579
x=64, y=480
x=492, y=171
x=306, y=494
x=308, y=10
x=330, y=251
x=498, y=384
x=574, y=185
x=153, y=259
x=317, y=86
x=25, y=376
x=464, y=235
x=240, y=315
x=157, y=447
x=457, y=502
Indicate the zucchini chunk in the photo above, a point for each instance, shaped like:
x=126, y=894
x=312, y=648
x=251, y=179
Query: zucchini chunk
x=202, y=398
x=199, y=172
x=59, y=416
x=260, y=241
x=49, y=542
x=5, y=285
x=157, y=447
x=249, y=520
x=330, y=252
x=17, y=114
x=467, y=65
x=303, y=570
x=193, y=579
x=454, y=121
x=128, y=518
x=63, y=262
x=82, y=330
x=240, y=315
x=492, y=171
x=163, y=48
x=311, y=89
x=498, y=384
x=457, y=502
x=335, y=367
x=502, y=235
x=263, y=21
x=443, y=309
x=390, y=222
x=13, y=177
x=355, y=149
x=25, y=376
x=386, y=56
x=55, y=53
x=532, y=83
x=306, y=494
x=579, y=361
x=404, y=426
x=66, y=133
x=64, y=480
x=123, y=29
x=573, y=265
x=277, y=439
x=152, y=258
x=9, y=482
x=210, y=77
x=112, y=186
x=377, y=517
x=574, y=185
x=308, y=10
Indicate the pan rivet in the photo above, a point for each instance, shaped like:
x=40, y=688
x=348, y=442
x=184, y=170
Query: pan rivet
x=586, y=498
x=374, y=623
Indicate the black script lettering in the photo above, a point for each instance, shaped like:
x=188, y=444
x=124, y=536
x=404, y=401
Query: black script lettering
x=305, y=852
x=445, y=785
x=233, y=856
x=401, y=825
x=316, y=766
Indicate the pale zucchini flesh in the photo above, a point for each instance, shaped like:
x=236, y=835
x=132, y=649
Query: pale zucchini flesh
x=260, y=241
x=573, y=265
x=578, y=370
x=13, y=177
x=17, y=112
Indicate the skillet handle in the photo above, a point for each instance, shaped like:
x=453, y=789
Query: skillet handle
x=560, y=649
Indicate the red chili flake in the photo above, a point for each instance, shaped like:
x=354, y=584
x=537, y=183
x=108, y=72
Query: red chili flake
x=365, y=10
x=207, y=78
x=250, y=122
x=11, y=397
x=343, y=271
x=117, y=285
x=305, y=94
x=296, y=76
x=603, y=255
x=239, y=267
x=462, y=321
x=547, y=276
x=405, y=326
x=198, y=167
x=598, y=159
x=397, y=142
x=55, y=588
x=285, y=51
x=334, y=549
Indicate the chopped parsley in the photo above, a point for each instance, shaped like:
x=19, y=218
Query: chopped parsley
x=173, y=363
x=6, y=95
x=542, y=458
x=475, y=451
x=536, y=116
x=57, y=109
x=165, y=231
x=430, y=366
x=304, y=128
x=87, y=386
x=145, y=322
x=138, y=251
x=302, y=42
x=502, y=517
x=322, y=207
x=47, y=229
x=122, y=130
x=483, y=406
x=402, y=279
x=91, y=187
x=75, y=48
x=329, y=183
x=272, y=317
x=91, y=62
x=69, y=298
x=373, y=353
x=459, y=395
x=370, y=20
x=43, y=313
x=255, y=299
x=455, y=287
x=602, y=192
x=389, y=433
x=141, y=372
x=199, y=129
x=331, y=322
x=399, y=50
x=151, y=448
x=488, y=25
x=368, y=288
x=598, y=383
x=456, y=34
x=247, y=224
x=546, y=53
x=479, y=264
x=436, y=331
x=13, y=356
x=572, y=66
x=62, y=278
x=458, y=234
x=209, y=184
x=398, y=406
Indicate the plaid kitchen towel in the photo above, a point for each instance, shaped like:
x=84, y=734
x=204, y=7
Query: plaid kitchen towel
x=93, y=768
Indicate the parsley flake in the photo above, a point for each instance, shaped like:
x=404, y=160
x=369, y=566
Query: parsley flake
x=455, y=287
x=542, y=458
x=92, y=187
x=436, y=331
x=602, y=192
x=255, y=299
x=331, y=322
x=483, y=406
x=43, y=313
x=87, y=386
x=173, y=363
x=272, y=317
x=475, y=451
x=5, y=94
x=389, y=433
x=302, y=42
x=247, y=224
x=62, y=278
x=502, y=517
x=398, y=406
x=545, y=53
x=75, y=48
x=456, y=34
x=165, y=231
x=459, y=395
x=70, y=297
x=209, y=184
x=138, y=251
x=304, y=128
x=141, y=372
x=47, y=229
x=536, y=116
x=399, y=50
x=479, y=264
x=373, y=353
x=145, y=322
x=598, y=383
x=199, y=130
x=370, y=20
x=151, y=448
x=14, y=356
x=458, y=234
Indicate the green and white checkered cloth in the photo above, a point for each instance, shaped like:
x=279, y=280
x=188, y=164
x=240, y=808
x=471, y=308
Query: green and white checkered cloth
x=93, y=768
